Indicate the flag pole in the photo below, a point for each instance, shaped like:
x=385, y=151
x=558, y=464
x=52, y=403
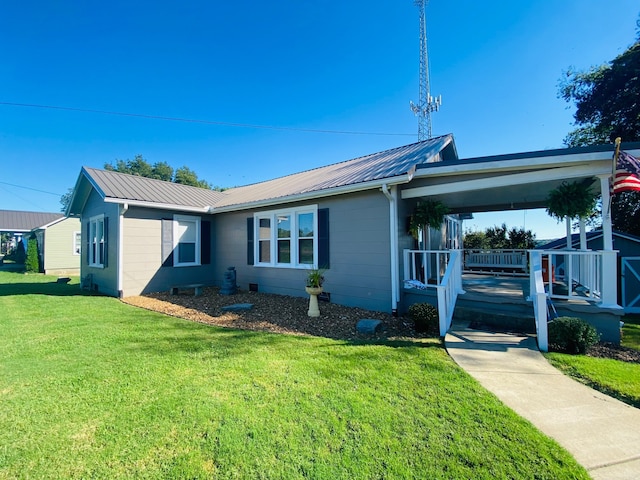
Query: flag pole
x=616, y=154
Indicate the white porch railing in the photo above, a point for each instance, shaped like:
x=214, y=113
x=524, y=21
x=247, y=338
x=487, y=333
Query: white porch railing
x=539, y=298
x=575, y=274
x=439, y=269
x=513, y=260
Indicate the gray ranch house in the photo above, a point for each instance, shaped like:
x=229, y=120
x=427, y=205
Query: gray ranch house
x=143, y=235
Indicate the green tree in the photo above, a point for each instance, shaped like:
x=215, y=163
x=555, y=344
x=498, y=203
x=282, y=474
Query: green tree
x=500, y=237
x=186, y=176
x=607, y=106
x=31, y=263
x=65, y=200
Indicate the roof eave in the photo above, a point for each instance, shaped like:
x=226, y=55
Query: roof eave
x=157, y=206
x=300, y=197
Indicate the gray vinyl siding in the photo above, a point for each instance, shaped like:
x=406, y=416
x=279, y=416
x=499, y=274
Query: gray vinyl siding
x=359, y=273
x=104, y=280
x=142, y=256
x=58, y=254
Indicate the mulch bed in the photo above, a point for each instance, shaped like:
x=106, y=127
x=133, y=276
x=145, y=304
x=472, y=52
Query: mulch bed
x=275, y=313
x=616, y=352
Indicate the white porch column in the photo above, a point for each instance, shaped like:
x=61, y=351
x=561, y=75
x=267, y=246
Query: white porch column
x=568, y=225
x=607, y=232
x=583, y=234
x=609, y=292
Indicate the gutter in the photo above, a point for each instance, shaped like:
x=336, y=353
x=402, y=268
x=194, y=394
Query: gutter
x=392, y=196
x=374, y=184
x=122, y=210
x=159, y=206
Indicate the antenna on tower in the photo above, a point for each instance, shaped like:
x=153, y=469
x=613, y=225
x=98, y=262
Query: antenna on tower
x=426, y=103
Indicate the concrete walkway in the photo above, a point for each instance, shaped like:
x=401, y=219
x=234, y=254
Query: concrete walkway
x=602, y=433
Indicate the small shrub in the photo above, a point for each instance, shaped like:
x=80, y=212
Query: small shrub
x=425, y=318
x=571, y=335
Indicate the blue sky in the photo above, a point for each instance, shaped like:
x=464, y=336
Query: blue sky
x=315, y=65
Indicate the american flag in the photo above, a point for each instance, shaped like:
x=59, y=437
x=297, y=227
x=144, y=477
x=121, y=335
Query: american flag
x=627, y=176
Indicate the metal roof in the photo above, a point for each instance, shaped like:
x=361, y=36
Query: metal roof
x=360, y=171
x=377, y=166
x=18, y=221
x=125, y=187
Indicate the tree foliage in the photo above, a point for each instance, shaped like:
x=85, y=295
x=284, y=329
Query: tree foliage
x=32, y=263
x=500, y=238
x=607, y=101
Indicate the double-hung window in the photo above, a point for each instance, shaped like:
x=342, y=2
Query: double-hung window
x=96, y=241
x=77, y=242
x=287, y=238
x=186, y=238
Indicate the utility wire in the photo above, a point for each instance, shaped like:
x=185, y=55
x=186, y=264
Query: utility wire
x=206, y=122
x=29, y=188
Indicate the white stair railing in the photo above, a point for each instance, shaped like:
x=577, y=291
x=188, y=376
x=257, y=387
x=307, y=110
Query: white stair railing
x=539, y=298
x=439, y=269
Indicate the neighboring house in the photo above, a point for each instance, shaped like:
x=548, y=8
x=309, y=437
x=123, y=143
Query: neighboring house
x=142, y=235
x=57, y=237
x=59, y=246
x=628, y=248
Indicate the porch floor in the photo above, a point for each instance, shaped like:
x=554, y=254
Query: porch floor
x=513, y=289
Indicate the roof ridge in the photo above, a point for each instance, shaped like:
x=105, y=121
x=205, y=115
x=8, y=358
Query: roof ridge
x=387, y=151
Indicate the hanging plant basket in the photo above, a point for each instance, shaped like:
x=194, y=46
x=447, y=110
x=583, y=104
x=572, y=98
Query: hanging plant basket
x=573, y=200
x=427, y=213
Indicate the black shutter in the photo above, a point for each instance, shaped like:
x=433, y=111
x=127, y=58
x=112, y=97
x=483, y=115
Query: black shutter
x=105, y=262
x=323, y=238
x=167, y=242
x=205, y=242
x=250, y=259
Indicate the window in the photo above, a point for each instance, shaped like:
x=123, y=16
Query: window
x=77, y=242
x=96, y=241
x=286, y=238
x=186, y=238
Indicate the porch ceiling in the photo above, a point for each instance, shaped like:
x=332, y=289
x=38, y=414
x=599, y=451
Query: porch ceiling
x=508, y=182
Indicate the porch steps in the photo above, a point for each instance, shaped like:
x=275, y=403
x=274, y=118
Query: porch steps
x=498, y=312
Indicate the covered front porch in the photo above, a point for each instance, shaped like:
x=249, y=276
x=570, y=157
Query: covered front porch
x=533, y=286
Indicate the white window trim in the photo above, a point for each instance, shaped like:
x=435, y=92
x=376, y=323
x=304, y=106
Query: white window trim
x=94, y=253
x=76, y=248
x=176, y=255
x=294, y=239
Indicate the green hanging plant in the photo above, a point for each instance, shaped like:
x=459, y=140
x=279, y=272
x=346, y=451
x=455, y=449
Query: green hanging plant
x=427, y=213
x=573, y=200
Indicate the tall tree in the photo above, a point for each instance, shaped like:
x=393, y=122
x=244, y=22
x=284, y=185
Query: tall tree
x=186, y=176
x=607, y=100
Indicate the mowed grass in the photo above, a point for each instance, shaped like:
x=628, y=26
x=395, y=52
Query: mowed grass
x=613, y=377
x=93, y=388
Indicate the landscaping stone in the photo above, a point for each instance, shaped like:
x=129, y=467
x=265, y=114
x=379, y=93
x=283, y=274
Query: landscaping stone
x=368, y=325
x=237, y=307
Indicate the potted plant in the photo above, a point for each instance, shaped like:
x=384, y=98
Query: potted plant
x=572, y=200
x=315, y=279
x=428, y=213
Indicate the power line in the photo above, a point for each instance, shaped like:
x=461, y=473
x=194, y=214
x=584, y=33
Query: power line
x=206, y=122
x=29, y=188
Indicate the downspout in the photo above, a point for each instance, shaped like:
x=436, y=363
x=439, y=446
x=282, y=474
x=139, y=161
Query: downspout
x=123, y=209
x=392, y=196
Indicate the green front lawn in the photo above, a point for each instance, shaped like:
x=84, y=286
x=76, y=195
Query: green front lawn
x=613, y=377
x=631, y=332
x=93, y=388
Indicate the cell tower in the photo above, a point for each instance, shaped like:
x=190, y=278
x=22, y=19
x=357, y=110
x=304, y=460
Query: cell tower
x=426, y=103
